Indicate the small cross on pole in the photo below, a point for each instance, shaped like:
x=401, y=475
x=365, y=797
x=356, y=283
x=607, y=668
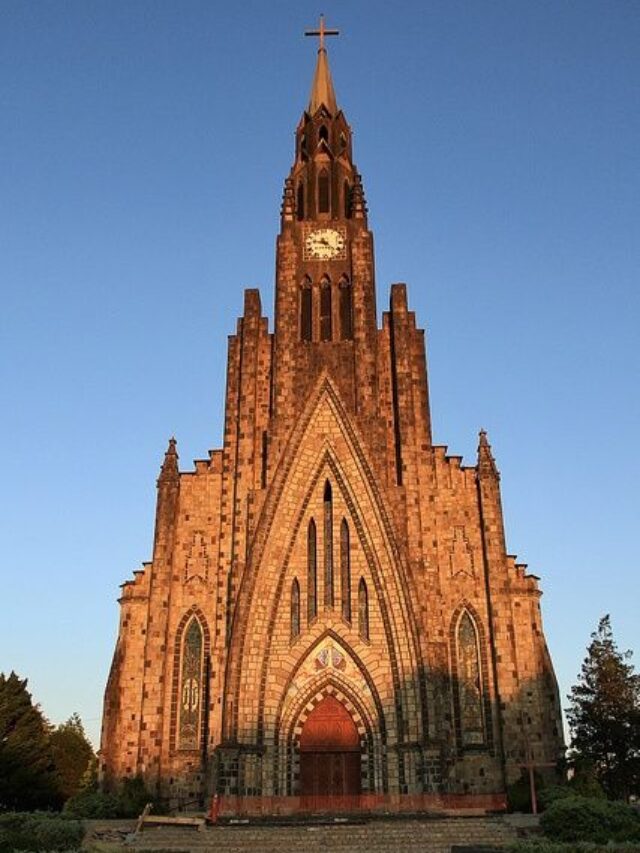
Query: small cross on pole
x=321, y=32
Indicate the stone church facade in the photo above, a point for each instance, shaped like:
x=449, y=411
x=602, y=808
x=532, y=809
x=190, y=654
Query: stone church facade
x=330, y=609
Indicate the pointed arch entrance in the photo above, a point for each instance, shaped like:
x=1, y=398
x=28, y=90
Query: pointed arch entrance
x=329, y=751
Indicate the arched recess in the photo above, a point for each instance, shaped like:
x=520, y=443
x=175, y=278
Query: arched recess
x=345, y=292
x=295, y=609
x=308, y=459
x=326, y=319
x=345, y=677
x=324, y=192
x=306, y=310
x=193, y=616
x=470, y=686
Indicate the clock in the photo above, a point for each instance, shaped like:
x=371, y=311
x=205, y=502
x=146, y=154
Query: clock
x=324, y=244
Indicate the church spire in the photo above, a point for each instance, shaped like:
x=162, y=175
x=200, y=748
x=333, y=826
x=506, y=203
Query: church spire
x=322, y=91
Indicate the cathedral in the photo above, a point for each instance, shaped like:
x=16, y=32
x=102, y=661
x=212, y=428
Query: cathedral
x=330, y=614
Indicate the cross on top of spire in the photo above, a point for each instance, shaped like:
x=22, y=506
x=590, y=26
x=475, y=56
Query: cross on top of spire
x=321, y=32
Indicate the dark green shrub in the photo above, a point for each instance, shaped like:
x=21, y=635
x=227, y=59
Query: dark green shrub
x=546, y=846
x=552, y=793
x=586, y=819
x=39, y=832
x=133, y=797
x=93, y=804
x=128, y=801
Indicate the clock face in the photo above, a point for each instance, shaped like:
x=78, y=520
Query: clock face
x=324, y=244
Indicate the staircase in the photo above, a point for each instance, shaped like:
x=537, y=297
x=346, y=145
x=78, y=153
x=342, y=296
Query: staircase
x=430, y=835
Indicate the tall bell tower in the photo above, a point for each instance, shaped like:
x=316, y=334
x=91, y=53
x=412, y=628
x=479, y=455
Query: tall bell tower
x=325, y=284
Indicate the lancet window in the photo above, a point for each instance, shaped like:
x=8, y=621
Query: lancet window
x=295, y=609
x=306, y=310
x=346, y=309
x=312, y=572
x=363, y=610
x=323, y=192
x=191, y=691
x=300, y=201
x=325, y=309
x=345, y=571
x=469, y=682
x=346, y=195
x=328, y=545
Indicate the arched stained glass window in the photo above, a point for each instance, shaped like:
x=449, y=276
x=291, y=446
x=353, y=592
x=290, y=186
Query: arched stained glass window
x=306, y=310
x=363, y=610
x=469, y=682
x=191, y=691
x=295, y=609
x=328, y=545
x=345, y=571
x=346, y=309
x=323, y=192
x=312, y=572
x=325, y=310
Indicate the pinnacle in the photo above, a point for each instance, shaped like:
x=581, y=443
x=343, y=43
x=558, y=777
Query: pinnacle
x=486, y=462
x=169, y=468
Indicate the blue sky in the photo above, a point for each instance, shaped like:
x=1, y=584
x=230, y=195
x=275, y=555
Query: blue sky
x=144, y=146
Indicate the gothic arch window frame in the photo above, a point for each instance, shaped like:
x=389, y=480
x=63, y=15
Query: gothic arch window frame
x=323, y=185
x=300, y=201
x=484, y=700
x=346, y=199
x=364, y=615
x=326, y=309
x=296, y=627
x=312, y=571
x=306, y=310
x=345, y=307
x=177, y=686
x=329, y=574
x=345, y=570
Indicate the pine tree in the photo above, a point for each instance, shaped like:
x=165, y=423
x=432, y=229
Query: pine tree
x=604, y=714
x=72, y=754
x=28, y=778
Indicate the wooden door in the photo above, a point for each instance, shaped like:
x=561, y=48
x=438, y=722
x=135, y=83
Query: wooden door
x=329, y=752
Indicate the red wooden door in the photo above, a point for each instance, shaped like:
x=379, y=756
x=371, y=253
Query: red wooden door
x=329, y=752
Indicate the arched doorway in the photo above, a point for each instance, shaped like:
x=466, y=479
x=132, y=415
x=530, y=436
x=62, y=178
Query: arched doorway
x=329, y=751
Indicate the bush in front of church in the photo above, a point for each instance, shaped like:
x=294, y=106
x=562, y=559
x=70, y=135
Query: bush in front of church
x=599, y=821
x=42, y=831
x=127, y=801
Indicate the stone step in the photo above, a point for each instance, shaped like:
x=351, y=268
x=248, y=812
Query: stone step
x=398, y=835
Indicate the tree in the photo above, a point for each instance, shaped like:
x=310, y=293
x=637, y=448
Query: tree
x=28, y=779
x=72, y=754
x=604, y=714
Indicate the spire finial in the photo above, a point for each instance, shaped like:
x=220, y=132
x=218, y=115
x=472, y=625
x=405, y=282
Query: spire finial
x=321, y=32
x=322, y=92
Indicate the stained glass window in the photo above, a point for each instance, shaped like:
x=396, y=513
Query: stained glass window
x=469, y=683
x=328, y=545
x=312, y=573
x=191, y=687
x=345, y=570
x=363, y=610
x=295, y=609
